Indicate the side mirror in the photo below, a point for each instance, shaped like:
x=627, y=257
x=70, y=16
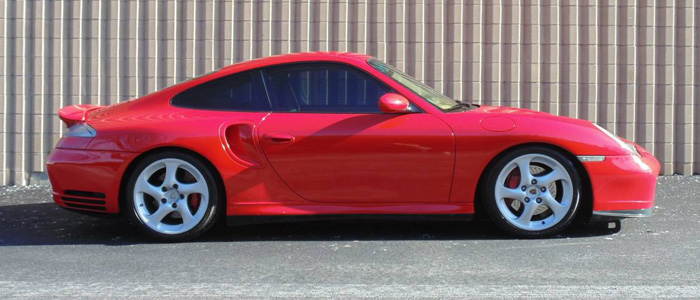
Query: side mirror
x=391, y=103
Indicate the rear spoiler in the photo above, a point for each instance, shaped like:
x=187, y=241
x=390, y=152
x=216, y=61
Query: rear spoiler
x=76, y=113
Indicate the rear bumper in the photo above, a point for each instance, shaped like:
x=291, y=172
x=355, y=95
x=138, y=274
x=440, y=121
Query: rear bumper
x=624, y=185
x=87, y=181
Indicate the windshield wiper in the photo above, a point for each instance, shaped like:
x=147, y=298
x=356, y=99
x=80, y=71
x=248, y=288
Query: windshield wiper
x=459, y=106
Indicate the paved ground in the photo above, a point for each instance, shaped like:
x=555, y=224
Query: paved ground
x=47, y=251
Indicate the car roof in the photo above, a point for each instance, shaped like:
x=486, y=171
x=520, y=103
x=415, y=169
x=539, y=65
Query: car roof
x=336, y=56
x=296, y=57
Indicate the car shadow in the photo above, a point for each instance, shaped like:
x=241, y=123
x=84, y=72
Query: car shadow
x=47, y=224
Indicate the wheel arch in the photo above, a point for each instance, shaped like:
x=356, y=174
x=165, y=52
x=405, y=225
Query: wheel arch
x=586, y=209
x=132, y=165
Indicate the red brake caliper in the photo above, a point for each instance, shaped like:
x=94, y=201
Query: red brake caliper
x=513, y=179
x=194, y=201
x=512, y=182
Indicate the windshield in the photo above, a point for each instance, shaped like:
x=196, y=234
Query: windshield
x=434, y=97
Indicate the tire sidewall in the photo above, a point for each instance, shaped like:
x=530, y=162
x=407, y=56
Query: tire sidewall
x=212, y=209
x=491, y=202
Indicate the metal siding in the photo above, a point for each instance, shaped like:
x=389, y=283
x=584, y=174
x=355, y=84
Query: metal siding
x=632, y=66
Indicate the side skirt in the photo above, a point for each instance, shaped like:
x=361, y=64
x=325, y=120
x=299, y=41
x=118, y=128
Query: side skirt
x=310, y=208
x=240, y=220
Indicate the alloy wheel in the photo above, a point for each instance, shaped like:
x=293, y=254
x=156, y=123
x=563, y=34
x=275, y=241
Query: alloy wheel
x=534, y=192
x=171, y=196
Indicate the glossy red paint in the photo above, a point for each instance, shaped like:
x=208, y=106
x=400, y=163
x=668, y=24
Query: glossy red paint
x=301, y=163
x=75, y=113
x=376, y=158
x=392, y=103
x=497, y=124
x=89, y=171
x=624, y=182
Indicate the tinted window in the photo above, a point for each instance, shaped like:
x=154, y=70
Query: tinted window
x=323, y=88
x=434, y=97
x=240, y=92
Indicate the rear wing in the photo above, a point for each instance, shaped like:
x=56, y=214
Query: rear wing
x=76, y=113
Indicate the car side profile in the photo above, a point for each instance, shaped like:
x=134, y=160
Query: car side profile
x=330, y=133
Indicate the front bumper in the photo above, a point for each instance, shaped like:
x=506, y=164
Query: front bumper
x=612, y=215
x=624, y=185
x=87, y=181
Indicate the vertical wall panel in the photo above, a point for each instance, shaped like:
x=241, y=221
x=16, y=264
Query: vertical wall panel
x=633, y=66
x=9, y=77
x=696, y=87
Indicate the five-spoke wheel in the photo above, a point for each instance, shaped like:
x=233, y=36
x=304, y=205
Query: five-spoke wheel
x=532, y=192
x=173, y=195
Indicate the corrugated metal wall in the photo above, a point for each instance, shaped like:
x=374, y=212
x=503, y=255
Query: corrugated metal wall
x=632, y=66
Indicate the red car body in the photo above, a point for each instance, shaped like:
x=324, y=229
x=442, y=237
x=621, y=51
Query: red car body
x=272, y=163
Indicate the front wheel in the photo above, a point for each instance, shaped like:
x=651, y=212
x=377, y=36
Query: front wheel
x=533, y=192
x=173, y=196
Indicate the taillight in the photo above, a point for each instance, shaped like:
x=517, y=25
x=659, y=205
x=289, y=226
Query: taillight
x=78, y=136
x=80, y=130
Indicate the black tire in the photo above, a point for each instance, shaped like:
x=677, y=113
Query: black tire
x=212, y=211
x=490, y=201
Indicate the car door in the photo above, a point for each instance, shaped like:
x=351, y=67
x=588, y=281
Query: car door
x=328, y=140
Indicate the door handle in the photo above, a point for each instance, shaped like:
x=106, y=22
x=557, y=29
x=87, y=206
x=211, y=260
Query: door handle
x=278, y=137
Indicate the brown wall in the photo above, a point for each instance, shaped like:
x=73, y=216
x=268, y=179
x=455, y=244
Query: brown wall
x=632, y=66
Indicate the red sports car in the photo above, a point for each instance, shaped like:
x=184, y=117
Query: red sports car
x=338, y=134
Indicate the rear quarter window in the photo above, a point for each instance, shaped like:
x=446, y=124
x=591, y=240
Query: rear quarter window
x=239, y=92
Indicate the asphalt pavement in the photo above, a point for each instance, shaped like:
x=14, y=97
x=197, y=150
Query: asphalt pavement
x=47, y=252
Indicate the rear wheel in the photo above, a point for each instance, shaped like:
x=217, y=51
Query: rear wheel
x=173, y=196
x=533, y=192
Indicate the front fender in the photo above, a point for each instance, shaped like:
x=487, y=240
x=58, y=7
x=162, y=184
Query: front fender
x=477, y=146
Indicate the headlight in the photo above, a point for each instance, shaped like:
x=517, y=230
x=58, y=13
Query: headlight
x=81, y=130
x=633, y=148
x=629, y=146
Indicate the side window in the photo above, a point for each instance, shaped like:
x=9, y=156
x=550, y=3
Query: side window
x=318, y=87
x=239, y=92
